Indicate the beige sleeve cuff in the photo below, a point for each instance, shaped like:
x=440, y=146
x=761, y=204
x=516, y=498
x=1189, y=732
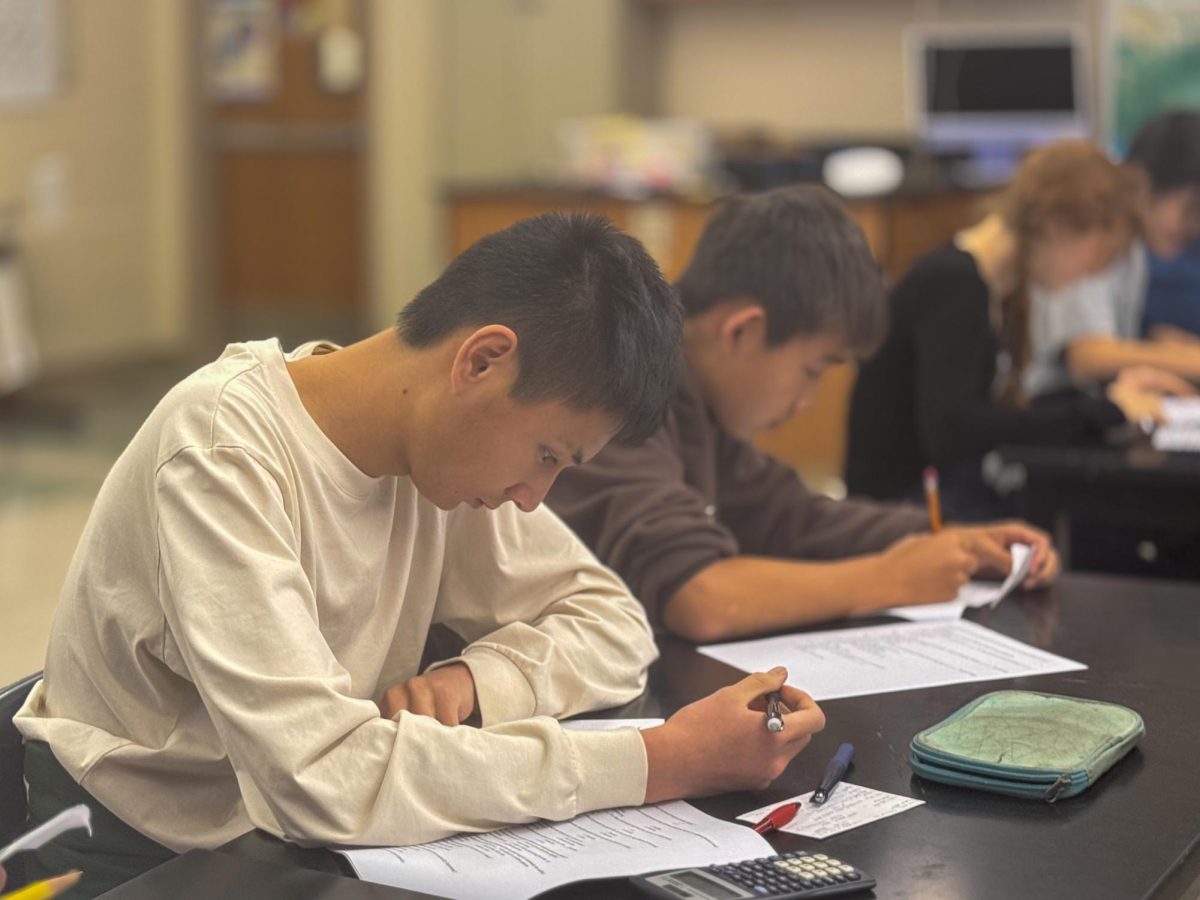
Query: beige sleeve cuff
x=501, y=689
x=612, y=768
x=611, y=765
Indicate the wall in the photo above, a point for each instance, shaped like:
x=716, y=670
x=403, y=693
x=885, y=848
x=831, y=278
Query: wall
x=404, y=104
x=109, y=274
x=814, y=67
x=513, y=68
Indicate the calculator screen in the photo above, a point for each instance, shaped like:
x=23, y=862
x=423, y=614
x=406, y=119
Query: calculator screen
x=704, y=886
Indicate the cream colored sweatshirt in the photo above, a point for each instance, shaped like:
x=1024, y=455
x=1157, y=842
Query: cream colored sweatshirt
x=242, y=593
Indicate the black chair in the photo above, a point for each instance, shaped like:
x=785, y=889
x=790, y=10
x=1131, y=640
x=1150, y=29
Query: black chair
x=13, y=810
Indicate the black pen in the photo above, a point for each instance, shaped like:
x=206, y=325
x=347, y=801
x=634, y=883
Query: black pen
x=834, y=772
x=774, y=712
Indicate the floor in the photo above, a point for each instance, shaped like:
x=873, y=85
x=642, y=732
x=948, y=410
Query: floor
x=57, y=442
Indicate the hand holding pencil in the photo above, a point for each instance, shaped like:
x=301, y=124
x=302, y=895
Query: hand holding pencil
x=933, y=499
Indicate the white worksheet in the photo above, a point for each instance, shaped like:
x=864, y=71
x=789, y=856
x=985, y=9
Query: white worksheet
x=1181, y=428
x=879, y=659
x=520, y=862
x=1177, y=438
x=1181, y=410
x=609, y=724
x=849, y=806
x=972, y=594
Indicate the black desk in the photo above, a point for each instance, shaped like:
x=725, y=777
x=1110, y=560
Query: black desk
x=1136, y=834
x=213, y=875
x=1134, y=487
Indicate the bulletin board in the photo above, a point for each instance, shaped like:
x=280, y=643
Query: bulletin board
x=1154, y=62
x=31, y=39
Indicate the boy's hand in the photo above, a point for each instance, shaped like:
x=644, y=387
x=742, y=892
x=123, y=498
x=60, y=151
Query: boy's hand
x=446, y=694
x=721, y=743
x=923, y=568
x=989, y=545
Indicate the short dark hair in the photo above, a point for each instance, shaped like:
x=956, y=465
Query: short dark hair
x=796, y=251
x=1168, y=148
x=596, y=324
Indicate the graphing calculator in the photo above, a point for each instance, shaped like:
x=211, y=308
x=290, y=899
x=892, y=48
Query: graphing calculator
x=801, y=874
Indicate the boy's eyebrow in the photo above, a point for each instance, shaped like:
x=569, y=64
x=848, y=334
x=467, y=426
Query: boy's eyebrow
x=574, y=451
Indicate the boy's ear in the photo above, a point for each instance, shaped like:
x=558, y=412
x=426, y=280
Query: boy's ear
x=488, y=353
x=745, y=323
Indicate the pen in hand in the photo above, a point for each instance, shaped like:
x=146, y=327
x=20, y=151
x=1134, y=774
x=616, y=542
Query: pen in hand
x=774, y=712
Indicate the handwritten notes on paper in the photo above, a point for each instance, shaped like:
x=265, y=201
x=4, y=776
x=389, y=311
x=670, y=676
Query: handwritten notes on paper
x=521, y=862
x=852, y=662
x=849, y=806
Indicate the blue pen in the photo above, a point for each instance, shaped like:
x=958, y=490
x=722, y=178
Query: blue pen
x=834, y=772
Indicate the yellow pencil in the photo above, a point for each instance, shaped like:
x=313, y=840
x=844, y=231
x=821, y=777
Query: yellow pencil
x=44, y=890
x=932, y=499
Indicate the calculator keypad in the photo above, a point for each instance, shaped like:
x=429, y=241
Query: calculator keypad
x=794, y=874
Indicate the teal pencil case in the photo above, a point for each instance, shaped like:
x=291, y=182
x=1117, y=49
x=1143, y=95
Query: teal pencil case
x=1026, y=744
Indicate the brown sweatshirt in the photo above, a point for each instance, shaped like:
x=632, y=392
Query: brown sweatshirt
x=694, y=494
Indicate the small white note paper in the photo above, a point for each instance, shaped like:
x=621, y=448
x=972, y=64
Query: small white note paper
x=518, y=863
x=849, y=806
x=879, y=659
x=609, y=724
x=970, y=595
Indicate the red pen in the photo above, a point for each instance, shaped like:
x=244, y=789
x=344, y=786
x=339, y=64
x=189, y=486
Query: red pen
x=777, y=818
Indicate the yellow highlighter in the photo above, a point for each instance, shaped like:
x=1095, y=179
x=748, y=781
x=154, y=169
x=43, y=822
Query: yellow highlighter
x=44, y=890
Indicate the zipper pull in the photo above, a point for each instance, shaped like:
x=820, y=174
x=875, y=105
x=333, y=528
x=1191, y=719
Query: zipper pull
x=1055, y=790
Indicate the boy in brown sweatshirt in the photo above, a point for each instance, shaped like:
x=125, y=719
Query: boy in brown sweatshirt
x=719, y=539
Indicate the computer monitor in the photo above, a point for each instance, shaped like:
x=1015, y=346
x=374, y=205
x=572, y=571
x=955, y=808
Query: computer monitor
x=995, y=92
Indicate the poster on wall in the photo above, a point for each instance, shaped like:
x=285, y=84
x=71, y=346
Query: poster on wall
x=1154, y=62
x=242, y=50
x=30, y=50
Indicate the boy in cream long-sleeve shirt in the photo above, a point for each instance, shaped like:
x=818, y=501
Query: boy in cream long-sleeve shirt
x=238, y=639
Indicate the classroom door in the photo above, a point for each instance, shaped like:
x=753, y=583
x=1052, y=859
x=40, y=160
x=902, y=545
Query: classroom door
x=286, y=109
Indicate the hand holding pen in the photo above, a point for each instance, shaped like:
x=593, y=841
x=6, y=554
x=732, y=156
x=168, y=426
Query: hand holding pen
x=720, y=742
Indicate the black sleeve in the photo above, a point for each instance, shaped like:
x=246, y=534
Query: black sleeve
x=957, y=419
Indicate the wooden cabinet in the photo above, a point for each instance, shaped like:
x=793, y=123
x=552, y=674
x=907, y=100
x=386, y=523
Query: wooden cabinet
x=898, y=229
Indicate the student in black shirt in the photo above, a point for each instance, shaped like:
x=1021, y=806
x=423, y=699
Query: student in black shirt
x=945, y=388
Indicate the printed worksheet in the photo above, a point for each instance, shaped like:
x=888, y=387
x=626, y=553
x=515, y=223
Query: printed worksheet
x=520, y=862
x=1180, y=430
x=609, y=724
x=879, y=659
x=1181, y=410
